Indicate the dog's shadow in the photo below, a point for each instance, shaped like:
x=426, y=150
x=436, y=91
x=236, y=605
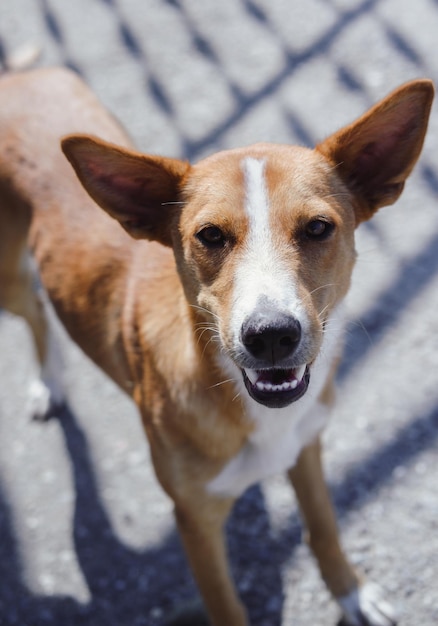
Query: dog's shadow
x=142, y=588
x=129, y=587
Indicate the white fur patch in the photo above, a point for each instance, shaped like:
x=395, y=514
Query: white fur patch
x=47, y=392
x=257, y=202
x=52, y=373
x=39, y=400
x=279, y=434
x=367, y=605
x=261, y=272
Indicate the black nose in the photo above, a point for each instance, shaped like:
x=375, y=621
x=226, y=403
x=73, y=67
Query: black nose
x=270, y=336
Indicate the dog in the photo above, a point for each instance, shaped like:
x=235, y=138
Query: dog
x=210, y=293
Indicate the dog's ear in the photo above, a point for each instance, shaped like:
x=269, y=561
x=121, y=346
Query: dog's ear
x=141, y=192
x=375, y=155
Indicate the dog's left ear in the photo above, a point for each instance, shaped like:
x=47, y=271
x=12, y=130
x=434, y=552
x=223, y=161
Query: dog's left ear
x=140, y=191
x=375, y=155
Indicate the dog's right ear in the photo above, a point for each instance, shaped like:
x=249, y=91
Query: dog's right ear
x=375, y=154
x=141, y=192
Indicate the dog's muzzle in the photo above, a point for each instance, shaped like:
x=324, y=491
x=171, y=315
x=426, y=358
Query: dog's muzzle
x=271, y=341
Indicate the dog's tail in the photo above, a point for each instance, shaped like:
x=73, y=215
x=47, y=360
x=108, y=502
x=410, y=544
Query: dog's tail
x=21, y=59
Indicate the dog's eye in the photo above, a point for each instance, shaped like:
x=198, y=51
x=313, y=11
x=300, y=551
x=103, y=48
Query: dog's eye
x=319, y=229
x=212, y=237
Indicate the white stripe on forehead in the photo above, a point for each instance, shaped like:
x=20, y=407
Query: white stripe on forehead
x=260, y=248
x=261, y=273
x=256, y=196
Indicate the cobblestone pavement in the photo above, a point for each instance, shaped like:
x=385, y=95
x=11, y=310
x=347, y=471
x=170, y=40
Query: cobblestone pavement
x=86, y=536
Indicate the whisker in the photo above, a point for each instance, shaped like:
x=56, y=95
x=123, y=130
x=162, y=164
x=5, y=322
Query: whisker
x=238, y=394
x=326, y=286
x=222, y=382
x=321, y=313
x=215, y=338
x=204, y=310
x=202, y=332
x=361, y=325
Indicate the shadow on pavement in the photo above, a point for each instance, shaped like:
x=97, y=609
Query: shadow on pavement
x=128, y=587
x=134, y=588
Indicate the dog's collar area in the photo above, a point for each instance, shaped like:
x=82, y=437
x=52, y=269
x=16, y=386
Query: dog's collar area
x=277, y=388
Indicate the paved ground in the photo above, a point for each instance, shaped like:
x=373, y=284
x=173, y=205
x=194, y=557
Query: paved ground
x=86, y=537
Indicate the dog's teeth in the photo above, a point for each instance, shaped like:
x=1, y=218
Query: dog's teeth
x=299, y=373
x=286, y=386
x=252, y=376
x=256, y=379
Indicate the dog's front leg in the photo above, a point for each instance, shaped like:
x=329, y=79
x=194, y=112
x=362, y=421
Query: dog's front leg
x=361, y=603
x=200, y=523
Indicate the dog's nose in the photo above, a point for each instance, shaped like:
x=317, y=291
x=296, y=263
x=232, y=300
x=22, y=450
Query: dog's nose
x=270, y=336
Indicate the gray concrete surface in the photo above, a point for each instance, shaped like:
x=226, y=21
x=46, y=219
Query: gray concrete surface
x=86, y=536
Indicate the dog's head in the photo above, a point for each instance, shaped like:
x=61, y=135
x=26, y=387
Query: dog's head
x=264, y=236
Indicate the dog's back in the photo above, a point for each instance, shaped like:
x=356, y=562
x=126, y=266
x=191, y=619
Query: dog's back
x=42, y=203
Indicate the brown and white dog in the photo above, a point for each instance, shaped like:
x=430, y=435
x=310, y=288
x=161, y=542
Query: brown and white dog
x=222, y=320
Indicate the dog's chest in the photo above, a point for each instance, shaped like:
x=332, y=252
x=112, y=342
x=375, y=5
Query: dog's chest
x=279, y=434
x=272, y=448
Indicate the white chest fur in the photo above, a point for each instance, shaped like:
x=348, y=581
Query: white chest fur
x=280, y=434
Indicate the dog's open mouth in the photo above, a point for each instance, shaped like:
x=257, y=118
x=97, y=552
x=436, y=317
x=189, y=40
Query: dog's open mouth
x=276, y=388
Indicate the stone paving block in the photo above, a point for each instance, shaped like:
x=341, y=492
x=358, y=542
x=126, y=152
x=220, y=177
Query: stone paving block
x=415, y=25
x=16, y=31
x=372, y=57
x=77, y=35
x=318, y=100
x=125, y=90
x=194, y=93
x=265, y=121
x=248, y=52
x=301, y=26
